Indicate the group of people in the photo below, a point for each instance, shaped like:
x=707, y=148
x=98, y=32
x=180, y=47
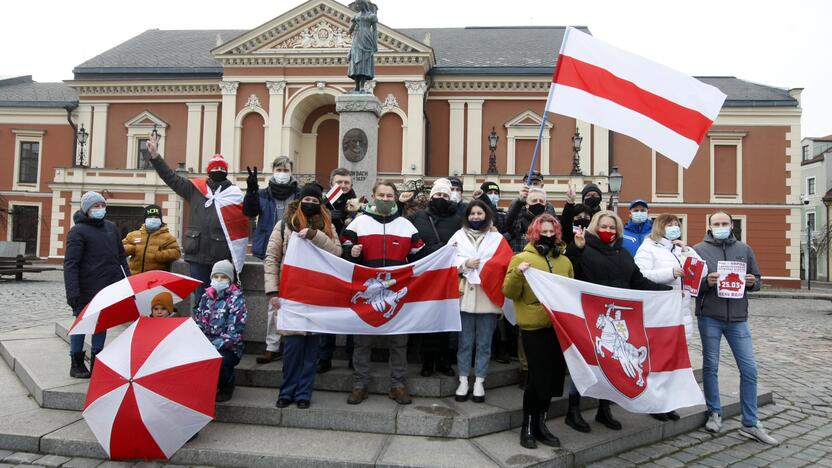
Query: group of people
x=390, y=229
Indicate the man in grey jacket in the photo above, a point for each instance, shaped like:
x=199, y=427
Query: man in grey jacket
x=718, y=316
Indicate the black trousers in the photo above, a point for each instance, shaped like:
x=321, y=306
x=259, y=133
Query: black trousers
x=436, y=349
x=547, y=369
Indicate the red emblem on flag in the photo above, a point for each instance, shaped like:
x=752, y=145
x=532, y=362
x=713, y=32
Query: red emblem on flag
x=731, y=282
x=378, y=294
x=616, y=329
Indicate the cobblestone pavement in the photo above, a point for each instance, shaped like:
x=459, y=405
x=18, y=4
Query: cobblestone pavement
x=792, y=340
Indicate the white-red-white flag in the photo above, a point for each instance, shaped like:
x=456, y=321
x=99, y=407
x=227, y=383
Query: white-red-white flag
x=235, y=224
x=663, y=108
x=494, y=254
x=621, y=345
x=334, y=194
x=322, y=293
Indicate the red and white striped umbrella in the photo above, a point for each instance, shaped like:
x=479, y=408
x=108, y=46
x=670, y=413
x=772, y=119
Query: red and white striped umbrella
x=152, y=388
x=129, y=299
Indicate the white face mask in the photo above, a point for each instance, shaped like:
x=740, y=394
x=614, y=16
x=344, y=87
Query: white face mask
x=220, y=285
x=456, y=197
x=673, y=232
x=282, y=178
x=494, y=198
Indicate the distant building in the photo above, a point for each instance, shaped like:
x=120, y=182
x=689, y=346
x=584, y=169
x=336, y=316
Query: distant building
x=816, y=182
x=270, y=91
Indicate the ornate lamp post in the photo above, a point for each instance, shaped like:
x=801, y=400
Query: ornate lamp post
x=493, y=139
x=615, y=180
x=576, y=148
x=82, y=140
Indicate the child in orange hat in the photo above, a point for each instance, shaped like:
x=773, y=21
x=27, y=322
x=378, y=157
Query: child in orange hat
x=162, y=306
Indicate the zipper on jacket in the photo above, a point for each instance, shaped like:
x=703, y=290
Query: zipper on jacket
x=727, y=301
x=384, y=242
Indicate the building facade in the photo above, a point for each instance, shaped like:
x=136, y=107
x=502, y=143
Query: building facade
x=816, y=175
x=254, y=95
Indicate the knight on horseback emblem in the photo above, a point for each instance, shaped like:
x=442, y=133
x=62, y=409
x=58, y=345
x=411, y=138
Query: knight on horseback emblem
x=615, y=338
x=377, y=293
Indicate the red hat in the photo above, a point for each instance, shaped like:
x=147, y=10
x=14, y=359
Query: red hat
x=217, y=162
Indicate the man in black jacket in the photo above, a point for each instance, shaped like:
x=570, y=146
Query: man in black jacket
x=269, y=204
x=436, y=225
x=94, y=259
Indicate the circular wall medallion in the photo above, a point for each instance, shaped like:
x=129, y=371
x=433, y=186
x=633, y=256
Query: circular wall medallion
x=354, y=145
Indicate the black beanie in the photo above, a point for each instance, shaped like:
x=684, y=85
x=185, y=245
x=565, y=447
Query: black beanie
x=312, y=189
x=591, y=188
x=153, y=211
x=455, y=182
x=488, y=186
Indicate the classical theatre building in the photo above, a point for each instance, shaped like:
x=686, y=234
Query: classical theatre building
x=257, y=94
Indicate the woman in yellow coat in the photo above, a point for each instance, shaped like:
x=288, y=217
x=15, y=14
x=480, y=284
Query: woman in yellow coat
x=151, y=247
x=547, y=367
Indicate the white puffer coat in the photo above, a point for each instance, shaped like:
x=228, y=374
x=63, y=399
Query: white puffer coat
x=656, y=260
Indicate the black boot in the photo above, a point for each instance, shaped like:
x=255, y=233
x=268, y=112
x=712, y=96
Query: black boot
x=527, y=432
x=524, y=378
x=92, y=360
x=501, y=353
x=77, y=368
x=574, y=419
x=542, y=434
x=604, y=416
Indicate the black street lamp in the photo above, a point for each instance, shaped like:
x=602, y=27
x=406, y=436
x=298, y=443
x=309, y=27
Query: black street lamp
x=576, y=148
x=82, y=140
x=493, y=139
x=615, y=181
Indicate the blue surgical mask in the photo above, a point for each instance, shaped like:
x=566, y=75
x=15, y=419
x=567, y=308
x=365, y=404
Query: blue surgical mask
x=152, y=224
x=282, y=178
x=673, y=232
x=639, y=217
x=97, y=213
x=495, y=198
x=721, y=233
x=220, y=285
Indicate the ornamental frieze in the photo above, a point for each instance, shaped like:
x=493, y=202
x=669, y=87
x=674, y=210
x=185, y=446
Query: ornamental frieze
x=321, y=35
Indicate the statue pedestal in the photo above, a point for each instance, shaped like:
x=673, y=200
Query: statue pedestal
x=358, y=134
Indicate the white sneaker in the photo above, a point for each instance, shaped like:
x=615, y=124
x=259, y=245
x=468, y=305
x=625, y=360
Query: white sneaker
x=758, y=433
x=461, y=393
x=714, y=423
x=479, y=390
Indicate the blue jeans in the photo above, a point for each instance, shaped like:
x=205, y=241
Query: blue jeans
x=300, y=355
x=738, y=336
x=202, y=272
x=76, y=342
x=477, y=330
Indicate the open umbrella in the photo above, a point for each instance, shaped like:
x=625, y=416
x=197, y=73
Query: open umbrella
x=152, y=388
x=128, y=299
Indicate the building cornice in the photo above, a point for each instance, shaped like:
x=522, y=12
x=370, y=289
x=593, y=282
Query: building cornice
x=139, y=88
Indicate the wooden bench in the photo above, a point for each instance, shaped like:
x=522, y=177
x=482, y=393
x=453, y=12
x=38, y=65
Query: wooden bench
x=19, y=265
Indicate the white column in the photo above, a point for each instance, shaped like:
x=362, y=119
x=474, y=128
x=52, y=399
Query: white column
x=98, y=150
x=474, y=155
x=544, y=151
x=585, y=154
x=274, y=143
x=414, y=153
x=85, y=119
x=192, y=139
x=456, y=134
x=209, y=134
x=511, y=156
x=601, y=156
x=229, y=112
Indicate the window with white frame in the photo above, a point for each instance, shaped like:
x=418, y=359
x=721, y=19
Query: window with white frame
x=810, y=221
x=805, y=152
x=143, y=154
x=726, y=158
x=810, y=186
x=28, y=158
x=139, y=129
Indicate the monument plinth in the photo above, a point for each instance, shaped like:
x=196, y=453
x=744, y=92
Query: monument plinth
x=358, y=136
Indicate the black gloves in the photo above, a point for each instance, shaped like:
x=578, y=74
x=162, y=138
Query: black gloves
x=251, y=181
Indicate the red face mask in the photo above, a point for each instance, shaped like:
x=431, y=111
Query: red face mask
x=606, y=236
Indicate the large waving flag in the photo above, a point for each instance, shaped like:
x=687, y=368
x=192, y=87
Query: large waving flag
x=664, y=109
x=235, y=224
x=322, y=293
x=494, y=254
x=621, y=345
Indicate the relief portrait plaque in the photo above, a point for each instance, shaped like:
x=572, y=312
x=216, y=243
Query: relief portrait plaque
x=354, y=145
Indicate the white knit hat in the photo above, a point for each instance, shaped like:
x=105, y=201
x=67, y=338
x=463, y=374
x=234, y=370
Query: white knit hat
x=441, y=186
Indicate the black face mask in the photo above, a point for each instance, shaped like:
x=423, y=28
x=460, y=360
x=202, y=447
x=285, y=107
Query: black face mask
x=537, y=209
x=310, y=209
x=439, y=205
x=218, y=176
x=593, y=202
x=583, y=223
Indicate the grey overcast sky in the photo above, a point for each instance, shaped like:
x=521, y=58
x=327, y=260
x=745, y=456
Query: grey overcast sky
x=778, y=43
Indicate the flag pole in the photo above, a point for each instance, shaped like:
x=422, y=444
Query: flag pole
x=546, y=109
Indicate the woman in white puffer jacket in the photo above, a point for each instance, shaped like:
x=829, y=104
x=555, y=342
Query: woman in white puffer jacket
x=660, y=259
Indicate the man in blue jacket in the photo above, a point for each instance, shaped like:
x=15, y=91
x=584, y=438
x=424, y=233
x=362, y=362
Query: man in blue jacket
x=94, y=259
x=638, y=227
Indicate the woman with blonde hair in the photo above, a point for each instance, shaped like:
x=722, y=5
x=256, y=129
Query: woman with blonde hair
x=660, y=259
x=599, y=257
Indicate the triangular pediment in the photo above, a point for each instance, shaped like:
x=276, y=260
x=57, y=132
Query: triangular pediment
x=146, y=119
x=314, y=27
x=527, y=119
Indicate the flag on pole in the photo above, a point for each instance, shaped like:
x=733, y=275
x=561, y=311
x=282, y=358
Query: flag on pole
x=322, y=293
x=334, y=194
x=663, y=108
x=621, y=345
x=235, y=224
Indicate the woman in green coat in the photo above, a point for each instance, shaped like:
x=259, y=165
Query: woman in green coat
x=547, y=367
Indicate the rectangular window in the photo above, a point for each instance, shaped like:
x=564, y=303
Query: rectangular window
x=805, y=152
x=29, y=155
x=810, y=186
x=25, y=221
x=737, y=228
x=143, y=154
x=725, y=169
x=810, y=222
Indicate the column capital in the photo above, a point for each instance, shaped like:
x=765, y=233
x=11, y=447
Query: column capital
x=416, y=87
x=229, y=88
x=276, y=87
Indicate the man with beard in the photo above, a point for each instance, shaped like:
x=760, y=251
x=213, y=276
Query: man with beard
x=269, y=205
